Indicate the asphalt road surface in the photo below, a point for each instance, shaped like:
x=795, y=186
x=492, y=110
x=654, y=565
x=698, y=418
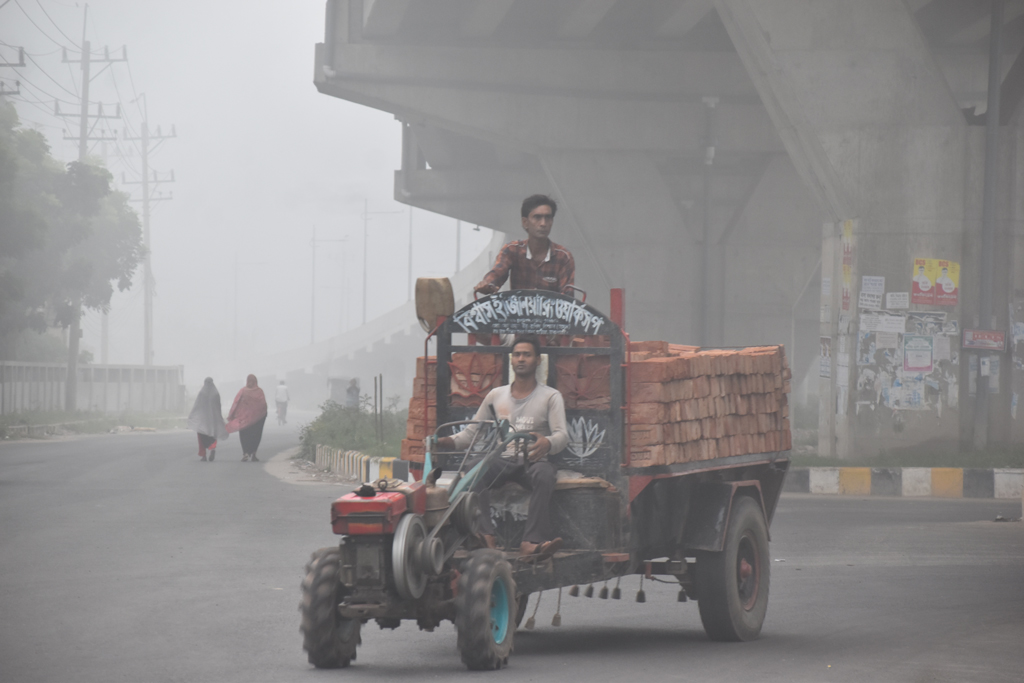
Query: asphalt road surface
x=124, y=558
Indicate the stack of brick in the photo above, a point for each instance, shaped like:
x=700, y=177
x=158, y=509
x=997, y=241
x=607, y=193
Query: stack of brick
x=689, y=404
x=422, y=404
x=473, y=376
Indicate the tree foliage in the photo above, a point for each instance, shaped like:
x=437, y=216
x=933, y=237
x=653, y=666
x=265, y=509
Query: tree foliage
x=66, y=237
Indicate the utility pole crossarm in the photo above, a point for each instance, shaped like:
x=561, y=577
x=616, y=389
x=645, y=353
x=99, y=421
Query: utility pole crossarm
x=21, y=59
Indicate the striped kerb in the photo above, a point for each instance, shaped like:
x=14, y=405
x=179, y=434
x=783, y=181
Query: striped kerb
x=855, y=481
x=947, y=482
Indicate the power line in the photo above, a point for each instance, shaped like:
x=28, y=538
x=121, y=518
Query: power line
x=24, y=79
x=45, y=73
x=135, y=92
x=29, y=17
x=55, y=24
x=32, y=54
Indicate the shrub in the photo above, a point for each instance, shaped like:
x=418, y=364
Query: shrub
x=354, y=429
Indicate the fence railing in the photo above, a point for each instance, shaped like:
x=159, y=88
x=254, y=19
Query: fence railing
x=28, y=387
x=360, y=466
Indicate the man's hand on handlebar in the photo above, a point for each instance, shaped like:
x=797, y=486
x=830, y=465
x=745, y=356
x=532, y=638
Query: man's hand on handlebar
x=539, y=449
x=484, y=288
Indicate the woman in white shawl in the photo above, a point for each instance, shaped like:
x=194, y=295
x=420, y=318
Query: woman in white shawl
x=206, y=420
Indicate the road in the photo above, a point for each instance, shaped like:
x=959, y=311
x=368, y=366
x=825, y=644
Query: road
x=124, y=558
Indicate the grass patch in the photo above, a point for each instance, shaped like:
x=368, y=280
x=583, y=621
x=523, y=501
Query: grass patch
x=353, y=429
x=85, y=422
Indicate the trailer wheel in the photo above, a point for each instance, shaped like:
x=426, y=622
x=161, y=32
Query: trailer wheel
x=485, y=610
x=328, y=639
x=732, y=585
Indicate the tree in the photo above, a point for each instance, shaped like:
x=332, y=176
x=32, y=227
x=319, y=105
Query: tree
x=65, y=236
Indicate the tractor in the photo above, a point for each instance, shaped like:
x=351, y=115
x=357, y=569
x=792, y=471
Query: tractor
x=411, y=550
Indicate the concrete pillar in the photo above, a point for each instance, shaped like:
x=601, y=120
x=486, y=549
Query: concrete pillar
x=872, y=128
x=618, y=214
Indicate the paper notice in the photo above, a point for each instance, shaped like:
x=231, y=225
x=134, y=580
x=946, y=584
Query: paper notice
x=887, y=340
x=872, y=284
x=870, y=301
x=897, y=300
x=941, y=350
x=882, y=322
x=826, y=286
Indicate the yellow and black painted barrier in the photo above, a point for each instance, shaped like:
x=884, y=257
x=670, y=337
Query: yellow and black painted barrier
x=937, y=482
x=360, y=466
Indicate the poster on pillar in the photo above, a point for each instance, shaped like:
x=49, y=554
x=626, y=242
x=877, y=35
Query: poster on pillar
x=918, y=353
x=922, y=289
x=947, y=285
x=936, y=282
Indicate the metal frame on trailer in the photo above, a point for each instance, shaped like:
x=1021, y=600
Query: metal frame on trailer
x=558, y=318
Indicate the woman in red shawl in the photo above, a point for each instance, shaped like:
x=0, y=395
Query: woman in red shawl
x=248, y=413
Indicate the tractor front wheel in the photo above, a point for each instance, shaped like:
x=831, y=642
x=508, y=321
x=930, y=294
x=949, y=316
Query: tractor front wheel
x=485, y=610
x=328, y=639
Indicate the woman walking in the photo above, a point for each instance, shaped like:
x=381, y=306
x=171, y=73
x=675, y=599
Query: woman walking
x=206, y=420
x=248, y=413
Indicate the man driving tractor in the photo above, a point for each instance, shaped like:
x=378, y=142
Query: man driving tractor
x=536, y=262
x=529, y=407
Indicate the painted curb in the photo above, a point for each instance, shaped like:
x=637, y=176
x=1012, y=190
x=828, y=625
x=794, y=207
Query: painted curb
x=910, y=482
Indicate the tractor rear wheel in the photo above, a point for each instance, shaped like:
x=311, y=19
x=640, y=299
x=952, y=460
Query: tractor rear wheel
x=329, y=639
x=732, y=585
x=485, y=610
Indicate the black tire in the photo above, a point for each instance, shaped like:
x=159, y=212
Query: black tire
x=732, y=585
x=328, y=639
x=484, y=642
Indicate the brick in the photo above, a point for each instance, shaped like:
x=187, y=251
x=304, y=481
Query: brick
x=653, y=370
x=682, y=350
x=648, y=413
x=427, y=371
x=594, y=377
x=412, y=450
x=652, y=347
x=648, y=456
x=418, y=386
x=415, y=429
x=417, y=408
x=652, y=392
x=648, y=434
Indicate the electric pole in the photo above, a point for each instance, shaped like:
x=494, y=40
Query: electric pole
x=458, y=245
x=366, y=232
x=75, y=331
x=410, y=253
x=312, y=303
x=17, y=84
x=234, y=329
x=149, y=185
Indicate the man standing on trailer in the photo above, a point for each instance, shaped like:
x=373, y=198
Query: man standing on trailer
x=536, y=262
x=529, y=407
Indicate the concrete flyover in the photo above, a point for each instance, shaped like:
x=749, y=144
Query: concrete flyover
x=739, y=166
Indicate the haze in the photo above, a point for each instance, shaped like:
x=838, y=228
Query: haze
x=260, y=159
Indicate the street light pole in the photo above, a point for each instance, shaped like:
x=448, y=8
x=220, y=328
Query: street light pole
x=366, y=232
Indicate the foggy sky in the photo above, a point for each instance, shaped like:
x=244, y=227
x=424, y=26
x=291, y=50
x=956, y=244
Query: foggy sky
x=260, y=159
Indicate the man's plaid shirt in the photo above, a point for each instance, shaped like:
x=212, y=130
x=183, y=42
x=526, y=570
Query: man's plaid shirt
x=553, y=273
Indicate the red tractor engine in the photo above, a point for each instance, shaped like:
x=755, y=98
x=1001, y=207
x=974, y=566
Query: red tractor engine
x=373, y=510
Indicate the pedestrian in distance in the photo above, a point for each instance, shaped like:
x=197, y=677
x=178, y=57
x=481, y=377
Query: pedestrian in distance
x=248, y=413
x=206, y=420
x=281, y=398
